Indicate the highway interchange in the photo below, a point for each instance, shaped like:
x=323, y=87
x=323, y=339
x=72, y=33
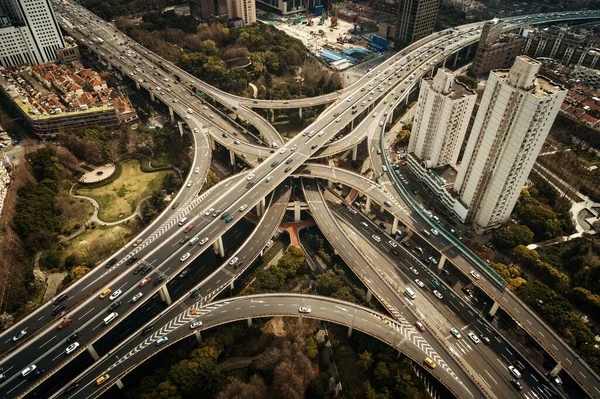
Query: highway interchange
x=161, y=249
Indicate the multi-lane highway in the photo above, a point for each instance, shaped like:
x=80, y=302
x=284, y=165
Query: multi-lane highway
x=236, y=196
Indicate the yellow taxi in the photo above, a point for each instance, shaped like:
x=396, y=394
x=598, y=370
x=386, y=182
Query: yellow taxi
x=428, y=361
x=102, y=378
x=105, y=293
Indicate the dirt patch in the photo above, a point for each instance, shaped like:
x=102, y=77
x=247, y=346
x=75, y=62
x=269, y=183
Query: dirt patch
x=275, y=326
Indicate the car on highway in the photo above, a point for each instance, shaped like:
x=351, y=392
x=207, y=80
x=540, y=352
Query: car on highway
x=144, y=281
x=58, y=309
x=455, y=332
x=304, y=309
x=137, y=242
x=159, y=280
x=188, y=228
x=111, y=262
x=516, y=384
x=475, y=275
x=105, y=293
x=203, y=241
x=27, y=370
x=435, y=232
x=115, y=295
x=195, y=324
x=60, y=298
x=376, y=237
x=243, y=207
x=294, y=148
x=102, y=378
x=282, y=150
x=184, y=240
x=189, y=184
x=414, y=270
x=233, y=260
x=136, y=296
x=438, y=294
x=197, y=170
x=183, y=273
x=287, y=169
x=161, y=341
x=393, y=243
x=209, y=211
x=250, y=176
x=20, y=335
x=71, y=348
x=474, y=337
x=420, y=326
x=419, y=283
x=485, y=339
x=130, y=260
x=513, y=370
x=268, y=179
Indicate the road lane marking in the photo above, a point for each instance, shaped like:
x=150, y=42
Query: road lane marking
x=85, y=314
x=495, y=382
x=47, y=342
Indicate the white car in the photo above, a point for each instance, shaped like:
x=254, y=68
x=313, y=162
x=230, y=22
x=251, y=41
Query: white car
x=250, y=176
x=175, y=100
x=393, y=243
x=115, y=295
x=71, y=348
x=189, y=183
x=414, y=270
x=184, y=257
x=475, y=275
x=304, y=309
x=203, y=241
x=195, y=324
x=420, y=283
x=136, y=296
x=28, y=370
x=19, y=335
x=187, y=117
x=438, y=294
x=294, y=148
x=243, y=207
x=474, y=338
x=233, y=261
x=197, y=170
x=455, y=332
x=283, y=150
x=209, y=211
x=435, y=232
x=376, y=237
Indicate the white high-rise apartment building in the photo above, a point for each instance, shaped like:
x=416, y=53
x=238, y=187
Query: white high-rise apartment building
x=515, y=115
x=29, y=33
x=441, y=120
x=243, y=9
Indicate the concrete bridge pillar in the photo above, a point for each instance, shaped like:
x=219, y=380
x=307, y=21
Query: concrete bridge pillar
x=152, y=96
x=164, y=295
x=349, y=332
x=249, y=321
x=444, y=63
x=441, y=262
x=198, y=336
x=352, y=124
x=180, y=124
x=455, y=60
x=557, y=369
x=119, y=384
x=171, y=115
x=231, y=285
x=218, y=247
x=300, y=112
x=368, y=205
x=354, y=152
x=394, y=226
x=92, y=352
x=260, y=207
x=213, y=144
x=137, y=85
x=272, y=116
x=407, y=95
x=297, y=212
x=231, y=157
x=369, y=295
x=494, y=309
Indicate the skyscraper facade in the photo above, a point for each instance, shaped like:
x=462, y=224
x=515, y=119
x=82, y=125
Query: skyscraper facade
x=29, y=33
x=441, y=120
x=415, y=19
x=516, y=112
x=243, y=9
x=208, y=9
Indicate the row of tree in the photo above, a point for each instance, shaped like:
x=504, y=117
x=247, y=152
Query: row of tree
x=275, y=278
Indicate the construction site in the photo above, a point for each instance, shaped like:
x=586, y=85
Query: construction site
x=339, y=43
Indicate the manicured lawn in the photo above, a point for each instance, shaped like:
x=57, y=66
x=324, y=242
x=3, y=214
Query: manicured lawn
x=97, y=244
x=119, y=198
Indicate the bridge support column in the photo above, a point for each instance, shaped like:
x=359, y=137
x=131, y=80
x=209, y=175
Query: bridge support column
x=349, y=331
x=272, y=116
x=198, y=336
x=218, y=247
x=368, y=205
x=231, y=157
x=369, y=295
x=231, y=285
x=137, y=85
x=300, y=112
x=180, y=124
x=260, y=207
x=455, y=60
x=213, y=144
x=249, y=321
x=557, y=369
x=297, y=212
x=444, y=63
x=92, y=352
x=354, y=152
x=494, y=309
x=394, y=226
x=152, y=96
x=119, y=384
x=171, y=115
x=164, y=295
x=440, y=265
x=352, y=124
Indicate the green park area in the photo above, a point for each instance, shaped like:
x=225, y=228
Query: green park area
x=119, y=198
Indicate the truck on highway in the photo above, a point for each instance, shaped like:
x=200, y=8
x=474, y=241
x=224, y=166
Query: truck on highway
x=99, y=40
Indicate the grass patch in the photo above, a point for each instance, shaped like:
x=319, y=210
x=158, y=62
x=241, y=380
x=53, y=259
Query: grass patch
x=96, y=244
x=119, y=198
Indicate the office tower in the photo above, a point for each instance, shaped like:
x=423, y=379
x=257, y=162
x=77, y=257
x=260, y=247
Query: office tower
x=441, y=120
x=29, y=33
x=496, y=50
x=515, y=115
x=243, y=9
x=208, y=9
x=415, y=20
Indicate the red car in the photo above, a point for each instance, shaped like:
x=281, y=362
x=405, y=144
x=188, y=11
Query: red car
x=188, y=228
x=145, y=281
x=420, y=326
